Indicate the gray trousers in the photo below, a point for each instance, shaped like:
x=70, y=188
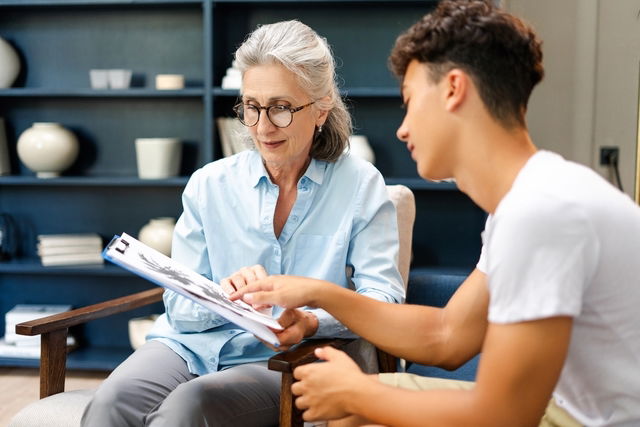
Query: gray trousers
x=153, y=387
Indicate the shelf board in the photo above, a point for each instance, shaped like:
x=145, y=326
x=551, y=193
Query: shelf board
x=218, y=91
x=95, y=2
x=104, y=93
x=440, y=270
x=89, y=358
x=89, y=181
x=421, y=184
x=371, y=92
x=396, y=2
x=352, y=92
x=33, y=266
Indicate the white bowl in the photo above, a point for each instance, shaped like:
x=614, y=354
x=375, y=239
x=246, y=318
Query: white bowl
x=99, y=79
x=169, y=81
x=119, y=79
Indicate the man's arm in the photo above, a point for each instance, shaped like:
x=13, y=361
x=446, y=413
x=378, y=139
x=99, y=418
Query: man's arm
x=520, y=366
x=444, y=337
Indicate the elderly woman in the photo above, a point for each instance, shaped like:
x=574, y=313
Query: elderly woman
x=295, y=205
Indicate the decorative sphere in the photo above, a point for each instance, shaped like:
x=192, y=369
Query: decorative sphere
x=47, y=149
x=158, y=234
x=9, y=64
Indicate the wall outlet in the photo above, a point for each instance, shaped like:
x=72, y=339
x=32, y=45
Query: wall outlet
x=609, y=155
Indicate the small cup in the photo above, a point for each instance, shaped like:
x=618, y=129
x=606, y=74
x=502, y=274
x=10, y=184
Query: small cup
x=169, y=81
x=119, y=79
x=99, y=79
x=158, y=158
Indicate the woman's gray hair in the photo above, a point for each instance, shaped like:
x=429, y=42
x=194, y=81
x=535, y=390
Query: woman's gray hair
x=302, y=51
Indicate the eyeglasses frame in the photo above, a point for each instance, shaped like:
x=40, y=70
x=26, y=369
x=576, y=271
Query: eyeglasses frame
x=292, y=110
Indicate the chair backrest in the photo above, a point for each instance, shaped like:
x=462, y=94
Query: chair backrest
x=366, y=356
x=405, y=203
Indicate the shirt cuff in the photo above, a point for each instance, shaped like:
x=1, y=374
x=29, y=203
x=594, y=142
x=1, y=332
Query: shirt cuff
x=328, y=326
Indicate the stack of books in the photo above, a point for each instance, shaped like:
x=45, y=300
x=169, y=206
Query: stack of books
x=70, y=249
x=232, y=135
x=23, y=346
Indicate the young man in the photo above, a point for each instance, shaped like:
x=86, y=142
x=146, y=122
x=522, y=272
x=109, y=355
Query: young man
x=553, y=302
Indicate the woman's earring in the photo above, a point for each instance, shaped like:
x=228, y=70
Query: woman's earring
x=320, y=129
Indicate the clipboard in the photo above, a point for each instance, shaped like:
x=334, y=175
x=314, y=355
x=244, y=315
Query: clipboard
x=146, y=262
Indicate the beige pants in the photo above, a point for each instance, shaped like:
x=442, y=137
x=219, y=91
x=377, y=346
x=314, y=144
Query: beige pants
x=554, y=415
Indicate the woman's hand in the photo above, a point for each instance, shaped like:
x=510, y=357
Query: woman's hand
x=324, y=390
x=242, y=278
x=285, y=291
x=297, y=325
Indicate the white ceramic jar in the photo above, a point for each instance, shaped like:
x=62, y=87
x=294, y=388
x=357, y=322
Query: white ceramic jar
x=9, y=64
x=158, y=158
x=47, y=149
x=359, y=146
x=158, y=234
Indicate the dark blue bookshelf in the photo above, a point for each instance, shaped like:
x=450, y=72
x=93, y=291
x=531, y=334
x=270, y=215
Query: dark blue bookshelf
x=59, y=41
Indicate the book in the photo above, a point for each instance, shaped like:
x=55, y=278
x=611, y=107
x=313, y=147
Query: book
x=24, y=313
x=27, y=351
x=48, y=240
x=72, y=259
x=71, y=249
x=158, y=268
x=231, y=130
x=225, y=142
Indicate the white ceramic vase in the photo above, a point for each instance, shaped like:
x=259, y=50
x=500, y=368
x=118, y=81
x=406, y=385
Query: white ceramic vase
x=359, y=146
x=47, y=149
x=158, y=233
x=158, y=158
x=9, y=64
x=139, y=328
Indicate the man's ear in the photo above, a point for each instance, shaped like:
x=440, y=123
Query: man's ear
x=455, y=87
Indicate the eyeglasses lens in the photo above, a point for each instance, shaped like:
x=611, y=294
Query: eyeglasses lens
x=250, y=114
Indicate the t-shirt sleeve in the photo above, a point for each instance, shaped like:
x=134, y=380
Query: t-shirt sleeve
x=482, y=262
x=539, y=257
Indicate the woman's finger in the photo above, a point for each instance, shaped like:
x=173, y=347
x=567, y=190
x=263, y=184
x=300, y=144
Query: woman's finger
x=260, y=272
x=238, y=281
x=227, y=286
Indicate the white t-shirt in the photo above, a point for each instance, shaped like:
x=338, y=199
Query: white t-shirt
x=563, y=241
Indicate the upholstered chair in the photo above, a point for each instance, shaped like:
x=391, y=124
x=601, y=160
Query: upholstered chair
x=57, y=408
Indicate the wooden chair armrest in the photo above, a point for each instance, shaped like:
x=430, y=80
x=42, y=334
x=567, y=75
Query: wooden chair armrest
x=85, y=314
x=286, y=362
x=302, y=354
x=54, y=330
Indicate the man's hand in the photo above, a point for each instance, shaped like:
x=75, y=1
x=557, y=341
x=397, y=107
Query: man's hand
x=325, y=389
x=284, y=291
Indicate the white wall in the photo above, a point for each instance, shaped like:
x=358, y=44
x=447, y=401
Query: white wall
x=617, y=76
x=589, y=97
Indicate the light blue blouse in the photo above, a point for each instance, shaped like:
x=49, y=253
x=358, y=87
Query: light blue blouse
x=342, y=217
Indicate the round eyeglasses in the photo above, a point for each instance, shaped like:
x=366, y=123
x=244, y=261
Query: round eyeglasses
x=279, y=115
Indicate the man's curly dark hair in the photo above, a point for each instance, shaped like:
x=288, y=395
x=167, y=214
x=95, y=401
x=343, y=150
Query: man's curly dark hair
x=501, y=54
